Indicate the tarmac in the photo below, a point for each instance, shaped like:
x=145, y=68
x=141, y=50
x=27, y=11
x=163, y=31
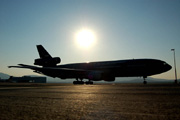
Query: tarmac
x=23, y=101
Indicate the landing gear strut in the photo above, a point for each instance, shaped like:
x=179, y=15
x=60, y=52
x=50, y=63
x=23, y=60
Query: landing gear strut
x=144, y=77
x=78, y=82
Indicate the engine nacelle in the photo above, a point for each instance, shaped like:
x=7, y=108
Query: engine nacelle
x=95, y=75
x=47, y=62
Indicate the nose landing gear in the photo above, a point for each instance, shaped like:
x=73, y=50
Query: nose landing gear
x=144, y=77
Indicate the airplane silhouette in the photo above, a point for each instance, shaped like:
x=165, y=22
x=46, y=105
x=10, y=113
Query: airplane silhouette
x=95, y=71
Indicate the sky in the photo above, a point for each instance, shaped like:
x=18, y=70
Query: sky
x=122, y=29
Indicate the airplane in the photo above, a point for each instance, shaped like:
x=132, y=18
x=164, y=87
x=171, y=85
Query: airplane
x=95, y=71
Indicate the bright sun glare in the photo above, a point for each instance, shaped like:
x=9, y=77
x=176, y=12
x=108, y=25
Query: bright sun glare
x=85, y=38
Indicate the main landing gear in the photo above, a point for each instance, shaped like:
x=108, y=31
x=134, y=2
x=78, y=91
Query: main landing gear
x=144, y=77
x=89, y=82
x=77, y=82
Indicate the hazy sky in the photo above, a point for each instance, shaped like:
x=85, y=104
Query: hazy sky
x=124, y=29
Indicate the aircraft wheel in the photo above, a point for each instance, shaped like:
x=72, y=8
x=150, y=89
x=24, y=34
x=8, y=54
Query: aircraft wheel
x=78, y=82
x=75, y=82
x=89, y=83
x=81, y=82
x=145, y=82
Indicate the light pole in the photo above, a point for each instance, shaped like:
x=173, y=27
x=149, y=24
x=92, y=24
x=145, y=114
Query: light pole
x=175, y=66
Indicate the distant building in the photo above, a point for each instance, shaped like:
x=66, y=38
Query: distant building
x=3, y=80
x=27, y=79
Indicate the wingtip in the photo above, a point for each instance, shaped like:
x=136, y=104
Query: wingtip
x=12, y=66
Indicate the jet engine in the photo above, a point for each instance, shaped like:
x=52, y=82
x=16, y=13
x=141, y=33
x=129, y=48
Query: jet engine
x=95, y=75
x=47, y=62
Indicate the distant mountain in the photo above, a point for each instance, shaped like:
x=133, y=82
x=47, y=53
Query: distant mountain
x=4, y=76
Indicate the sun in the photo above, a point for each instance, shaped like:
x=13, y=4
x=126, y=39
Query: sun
x=85, y=38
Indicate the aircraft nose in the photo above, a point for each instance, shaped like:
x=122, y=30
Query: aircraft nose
x=168, y=67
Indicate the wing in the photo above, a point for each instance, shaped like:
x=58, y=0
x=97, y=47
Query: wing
x=56, y=72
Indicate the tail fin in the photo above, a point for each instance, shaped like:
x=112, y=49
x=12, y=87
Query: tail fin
x=42, y=52
x=45, y=60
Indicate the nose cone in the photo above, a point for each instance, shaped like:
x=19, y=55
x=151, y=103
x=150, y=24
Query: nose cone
x=168, y=67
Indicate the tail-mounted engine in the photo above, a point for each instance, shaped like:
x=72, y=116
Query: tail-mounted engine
x=47, y=62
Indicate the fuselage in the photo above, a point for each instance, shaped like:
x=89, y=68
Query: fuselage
x=123, y=68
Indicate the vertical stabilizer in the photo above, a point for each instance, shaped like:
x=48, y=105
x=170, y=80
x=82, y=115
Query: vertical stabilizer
x=42, y=52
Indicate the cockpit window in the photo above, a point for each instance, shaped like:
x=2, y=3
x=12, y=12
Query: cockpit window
x=164, y=63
